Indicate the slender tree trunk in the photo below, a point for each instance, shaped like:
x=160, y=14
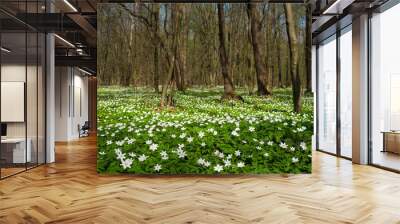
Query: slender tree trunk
x=156, y=80
x=279, y=56
x=183, y=45
x=132, y=66
x=275, y=54
x=256, y=38
x=279, y=64
x=167, y=99
x=167, y=84
x=288, y=79
x=180, y=56
x=229, y=88
x=308, y=47
x=294, y=58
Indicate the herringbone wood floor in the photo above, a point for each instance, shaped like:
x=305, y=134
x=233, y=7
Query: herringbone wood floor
x=70, y=191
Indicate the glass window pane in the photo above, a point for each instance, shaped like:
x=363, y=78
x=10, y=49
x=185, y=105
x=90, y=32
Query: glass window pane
x=385, y=84
x=346, y=93
x=13, y=86
x=327, y=96
x=23, y=90
x=41, y=98
x=31, y=97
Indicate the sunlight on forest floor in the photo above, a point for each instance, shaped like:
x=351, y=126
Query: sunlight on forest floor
x=202, y=135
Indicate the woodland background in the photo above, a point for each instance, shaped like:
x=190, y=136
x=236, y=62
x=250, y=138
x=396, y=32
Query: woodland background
x=172, y=47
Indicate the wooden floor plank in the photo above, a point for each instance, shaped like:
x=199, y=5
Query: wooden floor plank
x=70, y=191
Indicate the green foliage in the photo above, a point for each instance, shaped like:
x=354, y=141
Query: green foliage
x=202, y=135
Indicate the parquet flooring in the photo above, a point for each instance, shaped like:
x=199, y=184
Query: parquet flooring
x=70, y=191
x=10, y=171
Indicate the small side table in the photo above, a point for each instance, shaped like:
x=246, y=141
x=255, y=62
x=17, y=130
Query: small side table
x=391, y=141
x=15, y=152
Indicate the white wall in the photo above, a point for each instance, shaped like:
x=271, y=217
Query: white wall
x=33, y=126
x=62, y=83
x=71, y=102
x=11, y=73
x=81, y=108
x=17, y=73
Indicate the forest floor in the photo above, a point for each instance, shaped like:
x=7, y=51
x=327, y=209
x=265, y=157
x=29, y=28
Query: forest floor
x=202, y=135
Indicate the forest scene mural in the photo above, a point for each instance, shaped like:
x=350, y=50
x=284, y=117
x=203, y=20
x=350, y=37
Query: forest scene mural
x=212, y=88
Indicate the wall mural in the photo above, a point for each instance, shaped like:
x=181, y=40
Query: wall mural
x=204, y=89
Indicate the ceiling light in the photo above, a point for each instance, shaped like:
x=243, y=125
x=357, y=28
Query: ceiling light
x=65, y=41
x=337, y=7
x=70, y=5
x=331, y=7
x=84, y=71
x=79, y=51
x=5, y=50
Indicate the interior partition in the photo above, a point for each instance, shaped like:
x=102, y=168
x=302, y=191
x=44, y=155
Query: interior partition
x=22, y=100
x=15, y=146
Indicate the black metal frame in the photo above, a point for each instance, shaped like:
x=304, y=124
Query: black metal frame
x=316, y=97
x=369, y=90
x=0, y=85
x=338, y=98
x=28, y=30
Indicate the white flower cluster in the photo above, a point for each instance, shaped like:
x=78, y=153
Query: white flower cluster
x=126, y=163
x=153, y=138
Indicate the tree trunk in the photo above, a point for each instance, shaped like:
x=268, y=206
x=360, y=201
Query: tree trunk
x=178, y=15
x=183, y=45
x=308, y=53
x=229, y=88
x=167, y=99
x=279, y=65
x=156, y=80
x=167, y=83
x=294, y=58
x=288, y=80
x=276, y=43
x=256, y=38
x=278, y=55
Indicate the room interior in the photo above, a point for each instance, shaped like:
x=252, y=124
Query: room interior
x=337, y=84
x=385, y=89
x=22, y=101
x=24, y=62
x=69, y=189
x=71, y=100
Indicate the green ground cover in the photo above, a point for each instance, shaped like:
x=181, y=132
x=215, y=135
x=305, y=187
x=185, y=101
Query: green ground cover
x=202, y=135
